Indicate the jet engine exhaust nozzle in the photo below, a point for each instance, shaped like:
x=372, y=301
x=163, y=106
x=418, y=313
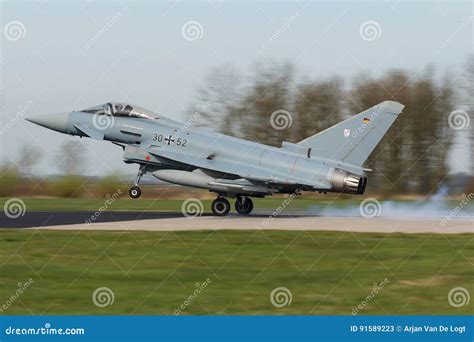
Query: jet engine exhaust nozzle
x=343, y=181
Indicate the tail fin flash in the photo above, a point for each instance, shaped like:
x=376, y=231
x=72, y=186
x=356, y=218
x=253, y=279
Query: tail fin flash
x=353, y=140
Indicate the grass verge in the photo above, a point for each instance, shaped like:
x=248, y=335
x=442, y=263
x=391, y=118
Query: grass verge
x=156, y=272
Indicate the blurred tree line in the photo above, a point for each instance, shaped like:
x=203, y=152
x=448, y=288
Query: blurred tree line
x=410, y=159
x=18, y=177
x=469, y=100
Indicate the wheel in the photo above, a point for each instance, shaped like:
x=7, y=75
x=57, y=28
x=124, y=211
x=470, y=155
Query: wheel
x=243, y=205
x=220, y=206
x=134, y=192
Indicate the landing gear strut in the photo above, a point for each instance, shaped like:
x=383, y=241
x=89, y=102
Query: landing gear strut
x=243, y=205
x=220, y=206
x=135, y=190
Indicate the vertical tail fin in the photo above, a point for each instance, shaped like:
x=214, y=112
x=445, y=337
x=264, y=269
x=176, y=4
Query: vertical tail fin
x=354, y=139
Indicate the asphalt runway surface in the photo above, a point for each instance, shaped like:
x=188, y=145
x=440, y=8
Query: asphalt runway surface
x=38, y=219
x=175, y=221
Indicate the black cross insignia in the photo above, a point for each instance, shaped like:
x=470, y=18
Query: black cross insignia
x=169, y=139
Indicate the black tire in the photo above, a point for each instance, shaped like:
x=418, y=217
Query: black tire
x=243, y=205
x=220, y=206
x=134, y=192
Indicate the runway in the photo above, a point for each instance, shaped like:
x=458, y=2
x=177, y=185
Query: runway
x=41, y=219
x=175, y=221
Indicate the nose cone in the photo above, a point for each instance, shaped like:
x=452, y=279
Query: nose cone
x=56, y=122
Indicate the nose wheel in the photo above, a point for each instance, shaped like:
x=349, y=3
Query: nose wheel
x=220, y=206
x=243, y=205
x=135, y=190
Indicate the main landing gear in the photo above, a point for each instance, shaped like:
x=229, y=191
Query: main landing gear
x=243, y=205
x=221, y=206
x=135, y=190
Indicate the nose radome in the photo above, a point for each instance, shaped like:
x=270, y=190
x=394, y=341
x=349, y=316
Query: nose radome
x=57, y=122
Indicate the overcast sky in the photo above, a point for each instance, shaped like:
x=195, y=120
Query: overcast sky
x=67, y=55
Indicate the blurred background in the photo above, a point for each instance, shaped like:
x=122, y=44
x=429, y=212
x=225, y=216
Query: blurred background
x=229, y=66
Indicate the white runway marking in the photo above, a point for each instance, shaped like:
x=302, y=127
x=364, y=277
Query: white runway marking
x=351, y=224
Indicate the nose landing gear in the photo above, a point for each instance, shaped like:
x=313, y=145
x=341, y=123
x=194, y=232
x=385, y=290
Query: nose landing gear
x=135, y=190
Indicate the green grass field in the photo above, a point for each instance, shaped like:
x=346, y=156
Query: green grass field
x=156, y=272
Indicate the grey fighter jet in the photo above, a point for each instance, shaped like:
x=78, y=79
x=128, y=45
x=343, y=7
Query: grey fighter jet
x=329, y=161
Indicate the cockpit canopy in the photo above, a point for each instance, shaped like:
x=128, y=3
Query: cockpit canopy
x=121, y=109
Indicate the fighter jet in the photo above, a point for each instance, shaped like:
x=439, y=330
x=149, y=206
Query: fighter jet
x=181, y=153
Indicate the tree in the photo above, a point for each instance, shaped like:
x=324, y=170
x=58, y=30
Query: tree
x=28, y=157
x=318, y=105
x=265, y=114
x=469, y=96
x=411, y=157
x=219, y=99
x=367, y=92
x=70, y=158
